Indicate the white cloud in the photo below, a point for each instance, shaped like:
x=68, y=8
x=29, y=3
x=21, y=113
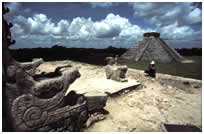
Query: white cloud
x=111, y=26
x=39, y=30
x=195, y=16
x=17, y=30
x=162, y=14
x=80, y=28
x=181, y=36
x=40, y=24
x=104, y=30
x=174, y=31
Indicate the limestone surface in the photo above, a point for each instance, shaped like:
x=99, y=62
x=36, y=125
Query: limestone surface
x=116, y=72
x=166, y=99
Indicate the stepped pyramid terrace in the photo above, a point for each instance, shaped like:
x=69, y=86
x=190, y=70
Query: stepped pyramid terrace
x=152, y=47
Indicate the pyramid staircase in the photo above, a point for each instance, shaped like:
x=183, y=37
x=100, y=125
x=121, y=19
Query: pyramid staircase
x=133, y=52
x=170, y=50
x=152, y=47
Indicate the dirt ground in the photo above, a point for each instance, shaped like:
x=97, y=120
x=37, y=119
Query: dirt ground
x=166, y=99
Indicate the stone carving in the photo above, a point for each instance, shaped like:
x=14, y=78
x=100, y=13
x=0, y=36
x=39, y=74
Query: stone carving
x=112, y=60
x=116, y=72
x=31, y=67
x=31, y=103
x=109, y=60
x=95, y=118
x=30, y=110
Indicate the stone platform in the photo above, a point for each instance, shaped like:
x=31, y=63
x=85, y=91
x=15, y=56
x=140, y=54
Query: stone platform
x=102, y=85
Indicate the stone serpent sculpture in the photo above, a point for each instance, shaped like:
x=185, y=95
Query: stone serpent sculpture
x=24, y=107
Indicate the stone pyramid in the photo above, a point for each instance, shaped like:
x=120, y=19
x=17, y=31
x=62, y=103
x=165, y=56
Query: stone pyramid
x=152, y=47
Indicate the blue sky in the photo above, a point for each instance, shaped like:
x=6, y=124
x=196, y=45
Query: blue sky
x=99, y=25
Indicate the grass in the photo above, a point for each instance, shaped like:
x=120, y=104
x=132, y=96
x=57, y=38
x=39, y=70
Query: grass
x=189, y=70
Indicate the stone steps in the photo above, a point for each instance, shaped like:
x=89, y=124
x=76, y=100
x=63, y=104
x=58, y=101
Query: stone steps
x=141, y=50
x=133, y=51
x=171, y=51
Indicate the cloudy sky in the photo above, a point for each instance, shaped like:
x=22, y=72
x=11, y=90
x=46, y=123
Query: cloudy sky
x=99, y=25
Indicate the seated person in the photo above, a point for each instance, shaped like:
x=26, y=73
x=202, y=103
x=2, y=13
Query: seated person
x=151, y=71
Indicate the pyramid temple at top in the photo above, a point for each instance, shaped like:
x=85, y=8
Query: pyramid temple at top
x=152, y=47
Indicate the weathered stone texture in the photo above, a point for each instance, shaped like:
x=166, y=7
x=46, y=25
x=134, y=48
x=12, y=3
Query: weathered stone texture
x=111, y=60
x=96, y=100
x=116, y=72
x=94, y=118
x=155, y=51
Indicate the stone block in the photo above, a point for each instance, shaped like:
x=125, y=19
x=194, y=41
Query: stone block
x=116, y=72
x=95, y=100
